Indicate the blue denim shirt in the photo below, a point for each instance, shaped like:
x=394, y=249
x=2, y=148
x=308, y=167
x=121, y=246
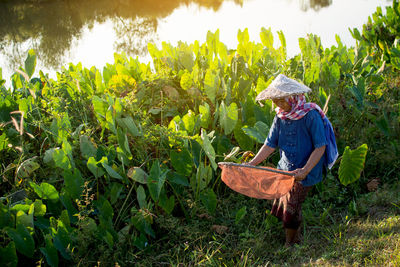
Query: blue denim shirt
x=296, y=140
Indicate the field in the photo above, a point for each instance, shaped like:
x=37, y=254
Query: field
x=119, y=166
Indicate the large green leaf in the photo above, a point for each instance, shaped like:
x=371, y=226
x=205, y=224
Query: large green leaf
x=228, y=117
x=114, y=192
x=129, y=124
x=45, y=191
x=25, y=219
x=73, y=183
x=110, y=170
x=141, y=197
x=352, y=164
x=62, y=240
x=105, y=209
x=222, y=52
x=208, y=149
x=267, y=38
x=61, y=127
x=243, y=36
x=259, y=132
x=99, y=82
x=70, y=206
x=100, y=107
x=26, y=168
x=22, y=239
x=3, y=142
x=243, y=88
x=60, y=158
x=156, y=180
x=283, y=45
x=240, y=214
x=50, y=252
x=140, y=223
x=211, y=83
x=96, y=170
x=209, y=200
x=30, y=63
x=185, y=56
x=137, y=174
x=5, y=216
x=261, y=85
x=124, y=143
x=39, y=208
x=176, y=178
x=205, y=115
x=8, y=255
x=165, y=202
x=182, y=162
x=245, y=142
x=186, y=81
x=203, y=178
x=140, y=241
x=88, y=149
x=24, y=207
x=190, y=121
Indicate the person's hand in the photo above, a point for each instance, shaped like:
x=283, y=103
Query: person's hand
x=250, y=163
x=300, y=174
x=246, y=156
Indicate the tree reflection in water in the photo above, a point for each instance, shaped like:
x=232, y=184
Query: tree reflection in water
x=50, y=27
x=314, y=4
x=133, y=35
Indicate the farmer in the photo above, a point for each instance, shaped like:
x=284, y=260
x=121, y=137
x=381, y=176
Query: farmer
x=299, y=130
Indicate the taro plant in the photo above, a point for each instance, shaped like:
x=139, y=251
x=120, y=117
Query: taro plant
x=93, y=159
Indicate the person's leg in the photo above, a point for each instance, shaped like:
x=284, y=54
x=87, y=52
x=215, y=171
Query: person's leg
x=288, y=210
x=292, y=236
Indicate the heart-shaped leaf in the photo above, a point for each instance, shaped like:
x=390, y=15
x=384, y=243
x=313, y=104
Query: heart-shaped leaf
x=228, y=117
x=352, y=164
x=22, y=239
x=45, y=191
x=30, y=63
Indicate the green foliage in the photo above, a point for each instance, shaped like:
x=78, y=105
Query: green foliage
x=23, y=240
x=380, y=34
x=156, y=180
x=101, y=158
x=228, y=117
x=209, y=200
x=30, y=63
x=8, y=255
x=240, y=214
x=45, y=191
x=352, y=164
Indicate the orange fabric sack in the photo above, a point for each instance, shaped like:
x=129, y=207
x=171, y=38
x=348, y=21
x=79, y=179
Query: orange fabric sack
x=256, y=182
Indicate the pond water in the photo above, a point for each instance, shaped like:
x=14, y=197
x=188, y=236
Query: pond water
x=91, y=31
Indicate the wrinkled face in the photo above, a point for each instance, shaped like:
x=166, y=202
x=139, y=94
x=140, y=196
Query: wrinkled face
x=282, y=103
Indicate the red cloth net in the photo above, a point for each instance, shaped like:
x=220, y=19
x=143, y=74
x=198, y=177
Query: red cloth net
x=256, y=182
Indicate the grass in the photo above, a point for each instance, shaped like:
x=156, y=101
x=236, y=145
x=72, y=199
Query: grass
x=333, y=237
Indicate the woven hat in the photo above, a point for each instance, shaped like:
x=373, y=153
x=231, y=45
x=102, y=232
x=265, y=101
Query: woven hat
x=282, y=87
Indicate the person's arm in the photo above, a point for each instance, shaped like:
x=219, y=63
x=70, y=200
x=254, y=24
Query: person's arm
x=301, y=174
x=262, y=154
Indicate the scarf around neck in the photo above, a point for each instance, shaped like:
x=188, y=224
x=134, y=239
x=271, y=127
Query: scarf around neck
x=299, y=108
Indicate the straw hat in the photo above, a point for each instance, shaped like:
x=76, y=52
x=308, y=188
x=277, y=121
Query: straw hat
x=282, y=87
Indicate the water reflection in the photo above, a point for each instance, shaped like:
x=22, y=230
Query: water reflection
x=51, y=27
x=305, y=5
x=133, y=35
